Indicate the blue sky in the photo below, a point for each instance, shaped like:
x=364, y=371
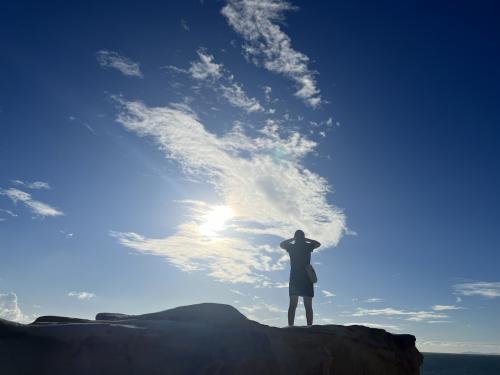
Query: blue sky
x=154, y=155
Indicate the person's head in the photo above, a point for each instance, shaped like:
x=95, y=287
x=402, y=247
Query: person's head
x=299, y=235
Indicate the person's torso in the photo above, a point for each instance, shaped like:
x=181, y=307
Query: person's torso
x=300, y=256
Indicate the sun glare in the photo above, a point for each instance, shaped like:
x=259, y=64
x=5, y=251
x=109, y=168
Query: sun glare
x=215, y=220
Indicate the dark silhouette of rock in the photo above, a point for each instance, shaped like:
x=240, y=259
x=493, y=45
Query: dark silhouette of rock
x=199, y=339
x=58, y=319
x=208, y=312
x=111, y=316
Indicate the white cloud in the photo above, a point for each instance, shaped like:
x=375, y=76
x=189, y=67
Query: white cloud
x=267, y=45
x=264, y=312
x=415, y=316
x=8, y=212
x=176, y=69
x=446, y=307
x=206, y=69
x=237, y=292
x=238, y=98
x=83, y=123
x=480, y=288
x=81, y=295
x=267, y=92
x=373, y=300
x=10, y=310
x=326, y=293
x=37, y=185
x=327, y=321
x=260, y=180
x=224, y=258
x=66, y=234
x=281, y=285
x=37, y=207
x=262, y=306
x=111, y=59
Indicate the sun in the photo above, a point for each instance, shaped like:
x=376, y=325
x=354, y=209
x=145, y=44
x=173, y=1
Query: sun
x=215, y=220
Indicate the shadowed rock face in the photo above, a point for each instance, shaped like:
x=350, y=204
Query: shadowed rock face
x=199, y=339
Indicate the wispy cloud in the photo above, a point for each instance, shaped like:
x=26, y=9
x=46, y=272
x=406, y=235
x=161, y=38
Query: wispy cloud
x=416, y=316
x=238, y=98
x=263, y=186
x=81, y=295
x=221, y=80
x=111, y=59
x=267, y=92
x=373, y=300
x=36, y=185
x=480, y=288
x=37, y=207
x=261, y=306
x=228, y=259
x=66, y=234
x=185, y=25
x=446, y=307
x=237, y=292
x=83, y=123
x=266, y=44
x=10, y=310
x=328, y=294
x=264, y=312
x=206, y=67
x=7, y=212
x=281, y=285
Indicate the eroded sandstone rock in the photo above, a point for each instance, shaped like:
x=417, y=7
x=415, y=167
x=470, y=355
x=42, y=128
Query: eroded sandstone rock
x=199, y=339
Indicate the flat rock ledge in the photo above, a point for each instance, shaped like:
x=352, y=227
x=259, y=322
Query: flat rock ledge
x=206, y=338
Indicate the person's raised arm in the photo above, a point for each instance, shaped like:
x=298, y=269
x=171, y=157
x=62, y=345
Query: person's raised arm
x=315, y=243
x=284, y=244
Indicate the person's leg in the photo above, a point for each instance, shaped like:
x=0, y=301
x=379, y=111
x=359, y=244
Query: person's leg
x=309, y=310
x=291, y=309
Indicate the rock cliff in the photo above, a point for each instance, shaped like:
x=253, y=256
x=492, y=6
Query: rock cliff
x=199, y=339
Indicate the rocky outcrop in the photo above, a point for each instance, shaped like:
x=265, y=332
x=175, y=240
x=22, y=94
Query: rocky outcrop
x=199, y=339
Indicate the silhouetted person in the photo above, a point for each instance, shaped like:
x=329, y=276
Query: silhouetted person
x=299, y=248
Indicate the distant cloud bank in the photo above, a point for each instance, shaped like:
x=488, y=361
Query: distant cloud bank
x=480, y=288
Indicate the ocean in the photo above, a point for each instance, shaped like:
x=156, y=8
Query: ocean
x=460, y=364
